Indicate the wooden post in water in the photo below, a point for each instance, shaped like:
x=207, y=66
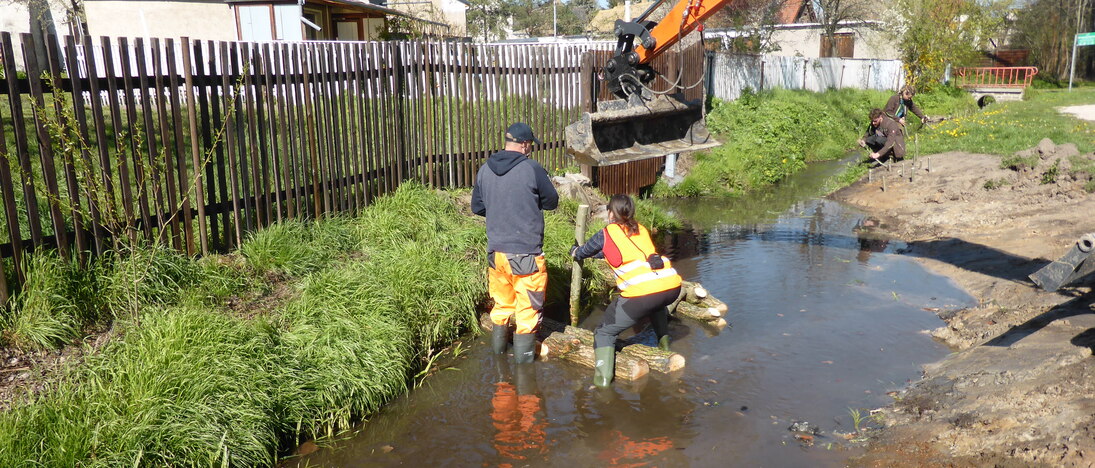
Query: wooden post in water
x=575, y=267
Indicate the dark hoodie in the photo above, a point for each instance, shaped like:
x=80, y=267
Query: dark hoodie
x=511, y=190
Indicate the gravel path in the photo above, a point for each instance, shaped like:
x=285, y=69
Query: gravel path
x=1083, y=112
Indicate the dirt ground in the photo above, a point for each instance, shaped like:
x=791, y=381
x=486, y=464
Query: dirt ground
x=1019, y=390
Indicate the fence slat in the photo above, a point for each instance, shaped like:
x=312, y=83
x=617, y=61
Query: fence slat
x=231, y=114
x=7, y=192
x=30, y=197
x=153, y=168
x=243, y=67
x=195, y=150
x=170, y=153
x=45, y=148
x=80, y=112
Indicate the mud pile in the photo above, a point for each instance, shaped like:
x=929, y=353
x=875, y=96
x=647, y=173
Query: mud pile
x=1020, y=388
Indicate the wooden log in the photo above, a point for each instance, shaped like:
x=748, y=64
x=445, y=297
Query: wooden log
x=696, y=312
x=576, y=345
x=657, y=359
x=696, y=294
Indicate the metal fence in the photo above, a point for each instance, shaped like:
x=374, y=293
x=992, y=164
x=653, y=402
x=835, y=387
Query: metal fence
x=730, y=74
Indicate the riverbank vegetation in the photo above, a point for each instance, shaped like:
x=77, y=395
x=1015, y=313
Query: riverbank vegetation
x=770, y=135
x=231, y=359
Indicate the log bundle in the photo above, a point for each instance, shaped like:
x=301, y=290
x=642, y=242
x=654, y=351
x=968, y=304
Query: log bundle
x=697, y=304
x=574, y=344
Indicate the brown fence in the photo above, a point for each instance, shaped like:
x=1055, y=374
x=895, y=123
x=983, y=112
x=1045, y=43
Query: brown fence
x=196, y=143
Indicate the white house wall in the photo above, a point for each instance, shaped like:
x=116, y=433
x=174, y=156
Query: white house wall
x=134, y=18
x=15, y=18
x=869, y=43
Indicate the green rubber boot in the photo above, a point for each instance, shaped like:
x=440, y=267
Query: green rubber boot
x=604, y=366
x=499, y=338
x=524, y=347
x=663, y=343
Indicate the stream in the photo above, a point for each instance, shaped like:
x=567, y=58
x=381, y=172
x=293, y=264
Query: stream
x=826, y=320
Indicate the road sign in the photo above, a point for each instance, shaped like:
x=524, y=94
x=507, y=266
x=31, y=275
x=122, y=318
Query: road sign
x=1085, y=39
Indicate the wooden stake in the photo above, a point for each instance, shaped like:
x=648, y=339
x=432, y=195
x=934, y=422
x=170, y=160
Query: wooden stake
x=575, y=267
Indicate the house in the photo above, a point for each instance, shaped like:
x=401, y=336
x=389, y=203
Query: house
x=261, y=20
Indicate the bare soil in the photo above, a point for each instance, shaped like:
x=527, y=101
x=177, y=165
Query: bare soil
x=1020, y=388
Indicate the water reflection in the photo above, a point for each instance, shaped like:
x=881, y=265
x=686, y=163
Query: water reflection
x=518, y=415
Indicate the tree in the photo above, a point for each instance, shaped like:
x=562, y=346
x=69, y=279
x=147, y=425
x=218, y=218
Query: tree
x=831, y=14
x=755, y=22
x=932, y=33
x=1046, y=28
x=533, y=17
x=487, y=19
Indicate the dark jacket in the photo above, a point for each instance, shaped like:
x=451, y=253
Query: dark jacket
x=895, y=137
x=896, y=107
x=511, y=190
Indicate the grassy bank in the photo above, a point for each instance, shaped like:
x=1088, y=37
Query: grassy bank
x=230, y=359
x=1006, y=127
x=771, y=135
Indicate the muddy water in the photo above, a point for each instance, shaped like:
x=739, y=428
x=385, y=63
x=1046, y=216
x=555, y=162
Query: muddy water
x=823, y=319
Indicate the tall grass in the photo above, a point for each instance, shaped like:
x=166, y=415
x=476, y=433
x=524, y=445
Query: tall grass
x=194, y=384
x=53, y=305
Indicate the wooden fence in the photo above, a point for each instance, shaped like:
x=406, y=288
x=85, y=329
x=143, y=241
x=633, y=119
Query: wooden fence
x=197, y=143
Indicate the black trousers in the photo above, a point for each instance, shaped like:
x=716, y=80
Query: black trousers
x=623, y=312
x=875, y=142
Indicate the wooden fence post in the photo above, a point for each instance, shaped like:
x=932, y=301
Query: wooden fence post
x=576, y=267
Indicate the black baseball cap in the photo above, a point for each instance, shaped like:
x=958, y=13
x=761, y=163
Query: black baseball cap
x=520, y=132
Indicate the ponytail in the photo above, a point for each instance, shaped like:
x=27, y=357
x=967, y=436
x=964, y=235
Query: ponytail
x=624, y=209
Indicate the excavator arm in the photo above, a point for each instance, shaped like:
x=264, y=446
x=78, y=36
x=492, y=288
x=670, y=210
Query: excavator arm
x=630, y=60
x=642, y=123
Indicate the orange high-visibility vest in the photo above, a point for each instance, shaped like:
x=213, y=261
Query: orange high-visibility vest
x=627, y=255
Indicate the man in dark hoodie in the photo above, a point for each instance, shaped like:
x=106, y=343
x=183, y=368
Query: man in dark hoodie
x=511, y=190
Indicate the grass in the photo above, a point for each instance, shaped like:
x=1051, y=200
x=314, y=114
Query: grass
x=191, y=381
x=771, y=135
x=1006, y=127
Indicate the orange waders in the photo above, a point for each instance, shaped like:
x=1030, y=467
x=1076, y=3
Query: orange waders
x=517, y=283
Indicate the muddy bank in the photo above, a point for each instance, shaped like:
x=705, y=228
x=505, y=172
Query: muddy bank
x=1020, y=388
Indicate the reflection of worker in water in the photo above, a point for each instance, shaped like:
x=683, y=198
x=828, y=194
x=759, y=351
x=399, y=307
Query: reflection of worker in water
x=511, y=190
x=868, y=245
x=517, y=416
x=901, y=103
x=630, y=432
x=647, y=282
x=884, y=137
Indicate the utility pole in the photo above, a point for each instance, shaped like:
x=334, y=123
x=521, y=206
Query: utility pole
x=555, y=19
x=1075, y=42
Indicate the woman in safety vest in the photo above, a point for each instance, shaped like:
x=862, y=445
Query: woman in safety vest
x=647, y=282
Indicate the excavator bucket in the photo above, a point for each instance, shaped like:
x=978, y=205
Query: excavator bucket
x=1077, y=263
x=620, y=132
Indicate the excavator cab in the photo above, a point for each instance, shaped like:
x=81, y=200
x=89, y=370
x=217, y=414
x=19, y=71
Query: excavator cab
x=642, y=122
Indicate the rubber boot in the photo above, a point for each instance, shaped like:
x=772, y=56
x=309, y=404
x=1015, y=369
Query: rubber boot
x=524, y=347
x=663, y=343
x=499, y=338
x=604, y=366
